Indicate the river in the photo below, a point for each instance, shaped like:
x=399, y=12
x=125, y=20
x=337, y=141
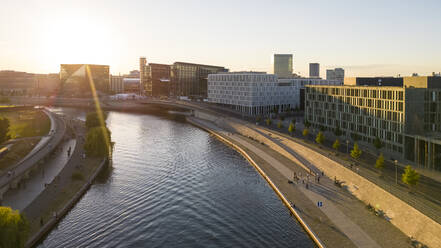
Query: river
x=174, y=185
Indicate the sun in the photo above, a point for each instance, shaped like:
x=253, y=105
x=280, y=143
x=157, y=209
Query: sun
x=75, y=40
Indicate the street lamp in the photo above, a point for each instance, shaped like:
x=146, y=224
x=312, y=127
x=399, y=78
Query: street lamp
x=396, y=171
x=347, y=146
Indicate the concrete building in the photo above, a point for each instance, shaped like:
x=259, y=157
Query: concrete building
x=283, y=65
x=75, y=78
x=335, y=74
x=407, y=119
x=190, y=80
x=314, y=70
x=116, y=84
x=257, y=93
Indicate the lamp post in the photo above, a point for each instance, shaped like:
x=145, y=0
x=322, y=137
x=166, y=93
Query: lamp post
x=396, y=171
x=347, y=146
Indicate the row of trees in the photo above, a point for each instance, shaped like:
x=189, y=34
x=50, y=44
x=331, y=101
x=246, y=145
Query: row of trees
x=98, y=138
x=410, y=177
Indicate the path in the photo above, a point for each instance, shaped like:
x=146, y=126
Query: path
x=22, y=196
x=346, y=225
x=46, y=145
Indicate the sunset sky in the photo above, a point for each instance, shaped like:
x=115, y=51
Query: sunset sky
x=366, y=38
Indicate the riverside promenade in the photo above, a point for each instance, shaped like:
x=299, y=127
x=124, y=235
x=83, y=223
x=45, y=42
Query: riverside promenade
x=46, y=146
x=341, y=221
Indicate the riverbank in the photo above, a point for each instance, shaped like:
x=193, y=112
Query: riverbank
x=360, y=228
x=60, y=195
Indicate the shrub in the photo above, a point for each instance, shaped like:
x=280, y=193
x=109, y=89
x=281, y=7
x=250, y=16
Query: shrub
x=320, y=138
x=305, y=132
x=336, y=144
x=356, y=152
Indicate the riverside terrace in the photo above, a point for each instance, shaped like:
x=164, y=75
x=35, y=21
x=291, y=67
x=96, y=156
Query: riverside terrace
x=406, y=119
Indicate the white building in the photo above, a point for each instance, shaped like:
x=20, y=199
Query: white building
x=258, y=93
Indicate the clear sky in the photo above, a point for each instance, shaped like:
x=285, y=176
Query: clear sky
x=366, y=38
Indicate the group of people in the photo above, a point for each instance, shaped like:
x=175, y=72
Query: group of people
x=305, y=179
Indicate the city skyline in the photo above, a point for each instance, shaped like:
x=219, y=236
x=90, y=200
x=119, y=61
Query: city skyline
x=396, y=39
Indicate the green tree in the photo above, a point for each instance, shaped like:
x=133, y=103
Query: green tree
x=291, y=128
x=93, y=119
x=377, y=143
x=305, y=132
x=4, y=129
x=379, y=164
x=279, y=124
x=356, y=152
x=336, y=144
x=14, y=228
x=98, y=142
x=410, y=177
x=320, y=138
x=268, y=122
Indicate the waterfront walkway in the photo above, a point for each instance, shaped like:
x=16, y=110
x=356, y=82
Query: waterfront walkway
x=358, y=225
x=46, y=145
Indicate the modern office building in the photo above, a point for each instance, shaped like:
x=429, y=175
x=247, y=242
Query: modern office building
x=374, y=81
x=257, y=93
x=407, y=119
x=155, y=79
x=250, y=93
x=314, y=70
x=75, y=79
x=283, y=65
x=335, y=74
x=190, y=80
x=116, y=84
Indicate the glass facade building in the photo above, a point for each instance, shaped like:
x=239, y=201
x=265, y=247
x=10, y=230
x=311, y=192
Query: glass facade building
x=190, y=80
x=407, y=119
x=283, y=65
x=74, y=78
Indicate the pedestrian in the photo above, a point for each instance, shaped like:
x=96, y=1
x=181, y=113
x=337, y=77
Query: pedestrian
x=307, y=186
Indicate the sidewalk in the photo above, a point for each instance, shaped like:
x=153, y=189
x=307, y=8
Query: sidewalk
x=342, y=209
x=41, y=150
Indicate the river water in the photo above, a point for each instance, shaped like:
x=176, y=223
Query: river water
x=174, y=185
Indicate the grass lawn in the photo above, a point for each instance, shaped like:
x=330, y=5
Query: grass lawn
x=18, y=151
x=27, y=123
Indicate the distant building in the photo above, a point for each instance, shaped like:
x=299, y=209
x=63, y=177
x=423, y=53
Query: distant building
x=374, y=81
x=131, y=85
x=116, y=84
x=283, y=65
x=335, y=74
x=314, y=70
x=406, y=117
x=23, y=83
x=156, y=79
x=190, y=80
x=75, y=79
